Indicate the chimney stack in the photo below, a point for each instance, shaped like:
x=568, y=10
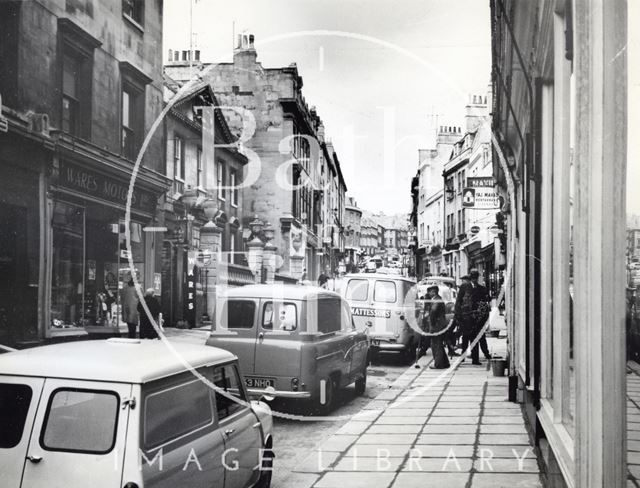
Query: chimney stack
x=245, y=52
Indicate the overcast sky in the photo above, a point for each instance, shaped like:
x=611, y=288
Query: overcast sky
x=378, y=71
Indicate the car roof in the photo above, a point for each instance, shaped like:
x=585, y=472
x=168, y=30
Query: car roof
x=111, y=360
x=279, y=290
x=380, y=276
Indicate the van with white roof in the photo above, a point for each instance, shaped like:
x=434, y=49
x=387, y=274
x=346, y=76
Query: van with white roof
x=130, y=413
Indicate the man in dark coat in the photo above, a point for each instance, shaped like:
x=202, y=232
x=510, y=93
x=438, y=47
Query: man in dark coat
x=437, y=324
x=471, y=312
x=147, y=331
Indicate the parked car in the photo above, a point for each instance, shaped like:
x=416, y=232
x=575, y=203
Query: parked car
x=386, y=306
x=87, y=413
x=297, y=342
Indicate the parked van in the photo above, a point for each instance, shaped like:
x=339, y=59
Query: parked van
x=386, y=306
x=293, y=341
x=128, y=413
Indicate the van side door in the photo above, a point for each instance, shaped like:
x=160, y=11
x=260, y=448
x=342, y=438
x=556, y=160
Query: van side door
x=359, y=345
x=180, y=442
x=19, y=397
x=79, y=434
x=239, y=426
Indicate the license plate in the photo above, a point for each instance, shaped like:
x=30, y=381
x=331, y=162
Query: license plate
x=259, y=382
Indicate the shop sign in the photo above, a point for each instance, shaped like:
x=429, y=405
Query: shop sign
x=480, y=198
x=104, y=187
x=190, y=302
x=480, y=182
x=475, y=229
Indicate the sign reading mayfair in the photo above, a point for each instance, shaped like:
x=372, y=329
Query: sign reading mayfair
x=104, y=187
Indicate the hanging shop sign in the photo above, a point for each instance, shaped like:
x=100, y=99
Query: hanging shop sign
x=474, y=230
x=190, y=288
x=480, y=193
x=99, y=186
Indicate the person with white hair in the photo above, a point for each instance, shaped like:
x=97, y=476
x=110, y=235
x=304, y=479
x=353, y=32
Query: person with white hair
x=147, y=330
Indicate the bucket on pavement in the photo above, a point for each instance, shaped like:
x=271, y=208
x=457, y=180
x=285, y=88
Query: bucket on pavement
x=498, y=365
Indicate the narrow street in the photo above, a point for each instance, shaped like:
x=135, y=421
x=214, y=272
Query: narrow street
x=296, y=440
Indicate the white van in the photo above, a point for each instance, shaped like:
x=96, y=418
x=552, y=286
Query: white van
x=128, y=413
x=386, y=305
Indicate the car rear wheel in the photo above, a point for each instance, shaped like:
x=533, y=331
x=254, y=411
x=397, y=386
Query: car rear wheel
x=361, y=383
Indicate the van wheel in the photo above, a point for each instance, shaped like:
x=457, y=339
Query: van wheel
x=361, y=384
x=329, y=397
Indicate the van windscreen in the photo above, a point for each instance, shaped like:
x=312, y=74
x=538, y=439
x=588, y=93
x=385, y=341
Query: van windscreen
x=14, y=406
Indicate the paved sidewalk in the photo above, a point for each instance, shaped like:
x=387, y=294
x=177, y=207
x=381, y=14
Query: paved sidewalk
x=459, y=431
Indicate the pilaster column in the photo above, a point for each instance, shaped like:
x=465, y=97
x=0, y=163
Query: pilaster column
x=256, y=255
x=296, y=266
x=269, y=262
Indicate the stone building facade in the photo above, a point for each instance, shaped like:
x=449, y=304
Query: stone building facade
x=285, y=181
x=66, y=162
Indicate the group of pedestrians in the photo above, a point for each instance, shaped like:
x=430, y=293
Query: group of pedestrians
x=471, y=312
x=133, y=311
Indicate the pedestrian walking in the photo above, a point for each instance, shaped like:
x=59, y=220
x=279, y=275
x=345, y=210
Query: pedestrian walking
x=434, y=322
x=130, y=307
x=437, y=323
x=471, y=312
x=147, y=330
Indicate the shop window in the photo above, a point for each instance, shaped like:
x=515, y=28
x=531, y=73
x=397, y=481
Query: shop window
x=90, y=265
x=68, y=266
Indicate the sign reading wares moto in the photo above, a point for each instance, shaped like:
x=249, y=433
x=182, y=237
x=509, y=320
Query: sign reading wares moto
x=97, y=185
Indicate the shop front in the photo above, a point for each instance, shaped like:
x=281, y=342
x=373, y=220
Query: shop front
x=90, y=263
